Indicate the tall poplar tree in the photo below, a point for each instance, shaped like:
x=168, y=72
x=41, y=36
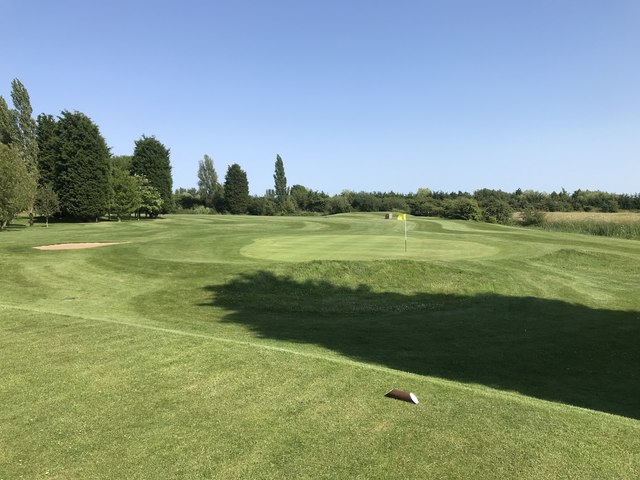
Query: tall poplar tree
x=236, y=190
x=151, y=159
x=208, y=186
x=25, y=139
x=7, y=128
x=18, y=130
x=82, y=169
x=280, y=184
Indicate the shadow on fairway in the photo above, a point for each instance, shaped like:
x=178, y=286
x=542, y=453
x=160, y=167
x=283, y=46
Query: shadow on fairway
x=543, y=348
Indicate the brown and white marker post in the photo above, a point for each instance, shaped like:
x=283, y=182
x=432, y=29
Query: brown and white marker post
x=402, y=395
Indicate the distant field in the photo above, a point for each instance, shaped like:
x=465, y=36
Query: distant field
x=619, y=225
x=257, y=347
x=618, y=217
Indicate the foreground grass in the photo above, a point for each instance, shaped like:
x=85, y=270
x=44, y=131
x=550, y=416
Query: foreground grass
x=230, y=347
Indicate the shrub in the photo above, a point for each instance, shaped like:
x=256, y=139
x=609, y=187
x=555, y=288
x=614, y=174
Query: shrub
x=198, y=210
x=366, y=202
x=394, y=203
x=497, y=211
x=609, y=205
x=532, y=217
x=428, y=207
x=462, y=208
x=262, y=206
x=338, y=204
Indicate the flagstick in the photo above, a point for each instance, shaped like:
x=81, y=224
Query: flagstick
x=405, y=234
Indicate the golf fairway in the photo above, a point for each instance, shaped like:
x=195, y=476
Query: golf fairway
x=256, y=347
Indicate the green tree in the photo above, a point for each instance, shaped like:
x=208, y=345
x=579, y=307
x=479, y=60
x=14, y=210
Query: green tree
x=236, y=190
x=262, y=206
x=280, y=185
x=462, y=208
x=427, y=206
x=365, y=202
x=150, y=199
x=338, y=204
x=47, y=136
x=497, y=210
x=125, y=193
x=17, y=187
x=394, y=203
x=18, y=130
x=423, y=193
x=187, y=199
x=25, y=139
x=82, y=169
x=151, y=159
x=300, y=195
x=47, y=202
x=316, y=201
x=532, y=217
x=7, y=127
x=208, y=185
x=122, y=161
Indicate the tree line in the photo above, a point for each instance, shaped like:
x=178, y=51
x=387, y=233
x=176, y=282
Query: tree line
x=62, y=165
x=233, y=195
x=493, y=206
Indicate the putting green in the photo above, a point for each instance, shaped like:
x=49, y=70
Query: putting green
x=362, y=247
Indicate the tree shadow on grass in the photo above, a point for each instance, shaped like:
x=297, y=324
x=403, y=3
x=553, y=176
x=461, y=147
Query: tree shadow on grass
x=547, y=349
x=14, y=226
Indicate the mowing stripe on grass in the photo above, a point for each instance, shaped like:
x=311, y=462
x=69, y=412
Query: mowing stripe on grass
x=475, y=388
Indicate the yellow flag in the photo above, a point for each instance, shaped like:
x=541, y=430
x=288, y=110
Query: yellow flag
x=402, y=216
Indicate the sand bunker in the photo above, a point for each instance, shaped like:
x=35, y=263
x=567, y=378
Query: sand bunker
x=76, y=246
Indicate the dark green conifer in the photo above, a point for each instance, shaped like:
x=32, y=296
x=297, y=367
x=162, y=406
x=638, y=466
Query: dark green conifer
x=82, y=167
x=236, y=190
x=151, y=159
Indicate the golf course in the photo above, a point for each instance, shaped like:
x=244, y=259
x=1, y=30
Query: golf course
x=232, y=346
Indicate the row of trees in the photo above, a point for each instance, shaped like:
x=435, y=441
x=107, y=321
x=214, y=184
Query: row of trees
x=233, y=196
x=75, y=161
x=211, y=197
x=494, y=206
x=497, y=205
x=63, y=164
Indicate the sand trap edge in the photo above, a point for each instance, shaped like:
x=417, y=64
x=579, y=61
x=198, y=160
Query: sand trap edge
x=77, y=246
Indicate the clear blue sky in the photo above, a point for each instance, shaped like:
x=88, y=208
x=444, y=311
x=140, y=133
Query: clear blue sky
x=365, y=95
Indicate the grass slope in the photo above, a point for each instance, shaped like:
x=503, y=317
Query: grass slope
x=238, y=347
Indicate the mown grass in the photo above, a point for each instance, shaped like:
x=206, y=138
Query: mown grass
x=618, y=225
x=238, y=347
